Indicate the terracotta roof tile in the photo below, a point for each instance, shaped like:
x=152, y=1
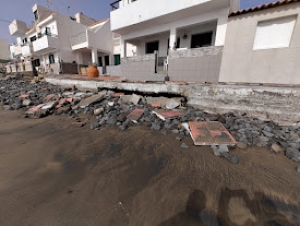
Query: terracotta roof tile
x=263, y=7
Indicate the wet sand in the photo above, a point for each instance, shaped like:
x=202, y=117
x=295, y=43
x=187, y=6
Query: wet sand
x=53, y=173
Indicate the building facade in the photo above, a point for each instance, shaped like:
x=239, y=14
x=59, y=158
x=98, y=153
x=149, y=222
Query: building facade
x=61, y=44
x=263, y=45
x=183, y=39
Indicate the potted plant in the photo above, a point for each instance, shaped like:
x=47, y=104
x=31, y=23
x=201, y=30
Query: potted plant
x=93, y=71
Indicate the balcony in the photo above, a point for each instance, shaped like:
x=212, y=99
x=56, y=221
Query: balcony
x=17, y=50
x=17, y=28
x=27, y=50
x=45, y=44
x=139, y=14
x=79, y=41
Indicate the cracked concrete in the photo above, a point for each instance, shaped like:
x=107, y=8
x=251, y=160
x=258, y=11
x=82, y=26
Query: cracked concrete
x=264, y=102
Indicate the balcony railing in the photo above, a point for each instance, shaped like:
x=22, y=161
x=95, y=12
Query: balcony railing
x=115, y=5
x=79, y=39
x=45, y=43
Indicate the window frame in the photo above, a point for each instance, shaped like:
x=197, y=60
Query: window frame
x=271, y=42
x=51, y=56
x=202, y=33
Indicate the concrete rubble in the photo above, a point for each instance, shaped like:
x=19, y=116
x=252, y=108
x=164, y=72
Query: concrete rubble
x=114, y=108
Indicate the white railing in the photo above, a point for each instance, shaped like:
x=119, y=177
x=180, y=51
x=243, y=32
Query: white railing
x=79, y=39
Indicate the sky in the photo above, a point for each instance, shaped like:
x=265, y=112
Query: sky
x=97, y=9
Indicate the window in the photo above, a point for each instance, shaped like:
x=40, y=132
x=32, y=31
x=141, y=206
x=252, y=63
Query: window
x=36, y=62
x=51, y=59
x=24, y=40
x=36, y=15
x=106, y=60
x=100, y=63
x=201, y=40
x=117, y=59
x=48, y=31
x=274, y=33
x=33, y=38
x=151, y=47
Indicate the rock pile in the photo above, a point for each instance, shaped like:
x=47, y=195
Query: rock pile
x=112, y=108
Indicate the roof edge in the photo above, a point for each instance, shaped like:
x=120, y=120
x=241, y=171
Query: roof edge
x=263, y=7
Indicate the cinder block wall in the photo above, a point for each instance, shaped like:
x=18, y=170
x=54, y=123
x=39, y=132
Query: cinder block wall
x=195, y=65
x=139, y=68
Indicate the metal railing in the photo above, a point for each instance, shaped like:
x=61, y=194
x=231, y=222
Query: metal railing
x=115, y=5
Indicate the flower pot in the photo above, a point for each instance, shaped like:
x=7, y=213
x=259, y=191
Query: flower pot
x=92, y=71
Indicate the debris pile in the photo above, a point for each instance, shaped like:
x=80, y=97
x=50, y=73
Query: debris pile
x=169, y=115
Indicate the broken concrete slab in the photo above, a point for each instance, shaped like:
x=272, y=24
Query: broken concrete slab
x=164, y=102
x=90, y=100
x=49, y=105
x=26, y=102
x=209, y=133
x=128, y=99
x=164, y=114
x=293, y=154
x=35, y=112
x=136, y=114
x=277, y=148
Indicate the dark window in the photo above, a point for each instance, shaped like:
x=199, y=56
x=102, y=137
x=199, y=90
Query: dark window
x=24, y=40
x=117, y=59
x=51, y=59
x=201, y=40
x=36, y=15
x=100, y=63
x=33, y=38
x=36, y=62
x=48, y=31
x=178, y=43
x=106, y=60
x=151, y=47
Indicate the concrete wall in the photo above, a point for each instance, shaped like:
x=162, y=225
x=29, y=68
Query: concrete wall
x=83, y=19
x=101, y=39
x=242, y=64
x=140, y=68
x=264, y=102
x=195, y=65
x=4, y=50
x=145, y=10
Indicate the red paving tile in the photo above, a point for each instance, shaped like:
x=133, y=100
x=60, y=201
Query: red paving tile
x=208, y=133
x=136, y=114
x=163, y=114
x=48, y=97
x=23, y=95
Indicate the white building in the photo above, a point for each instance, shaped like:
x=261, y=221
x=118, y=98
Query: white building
x=177, y=30
x=60, y=43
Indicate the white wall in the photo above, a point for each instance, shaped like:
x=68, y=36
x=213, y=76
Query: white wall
x=218, y=15
x=101, y=39
x=143, y=10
